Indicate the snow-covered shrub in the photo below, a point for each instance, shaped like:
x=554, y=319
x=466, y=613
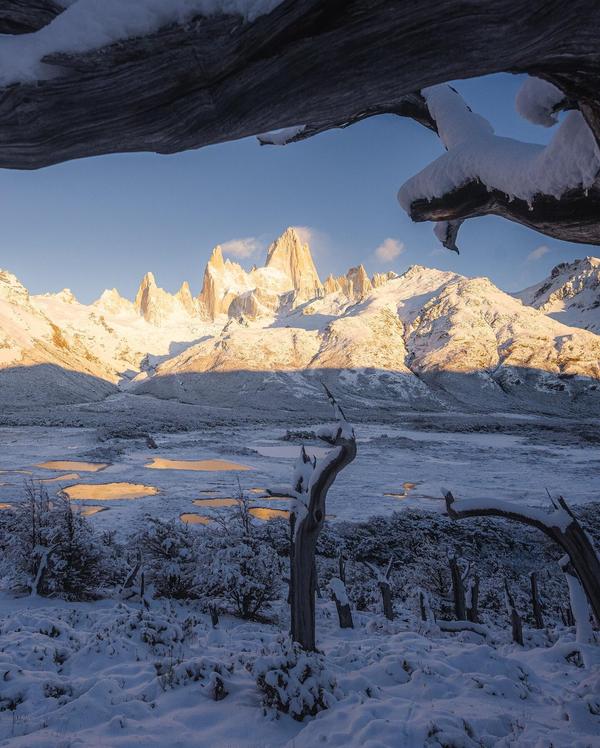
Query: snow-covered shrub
x=51, y=549
x=362, y=587
x=238, y=569
x=170, y=552
x=211, y=674
x=275, y=533
x=246, y=575
x=294, y=681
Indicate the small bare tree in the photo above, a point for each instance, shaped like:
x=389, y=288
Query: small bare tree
x=538, y=616
x=383, y=582
x=337, y=585
x=312, y=481
x=515, y=619
x=458, y=589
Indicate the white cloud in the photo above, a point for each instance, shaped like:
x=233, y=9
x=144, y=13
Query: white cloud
x=538, y=253
x=245, y=247
x=305, y=233
x=389, y=249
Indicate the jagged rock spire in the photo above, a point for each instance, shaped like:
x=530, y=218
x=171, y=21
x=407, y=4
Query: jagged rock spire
x=294, y=259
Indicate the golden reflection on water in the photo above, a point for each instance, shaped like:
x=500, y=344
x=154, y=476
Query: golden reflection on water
x=266, y=513
x=88, y=511
x=67, y=476
x=82, y=467
x=216, y=502
x=194, y=519
x=4, y=505
x=160, y=463
x=109, y=491
x=407, y=486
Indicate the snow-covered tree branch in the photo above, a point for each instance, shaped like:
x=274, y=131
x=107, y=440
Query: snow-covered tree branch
x=554, y=189
x=169, y=76
x=559, y=524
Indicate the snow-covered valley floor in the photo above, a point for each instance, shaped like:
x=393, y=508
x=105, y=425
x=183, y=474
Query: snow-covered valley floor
x=115, y=673
x=398, y=466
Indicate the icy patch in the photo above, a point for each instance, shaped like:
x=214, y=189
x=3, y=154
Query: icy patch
x=109, y=491
x=160, y=463
x=82, y=467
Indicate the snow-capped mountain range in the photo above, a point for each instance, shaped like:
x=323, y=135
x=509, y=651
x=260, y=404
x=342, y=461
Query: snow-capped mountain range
x=424, y=339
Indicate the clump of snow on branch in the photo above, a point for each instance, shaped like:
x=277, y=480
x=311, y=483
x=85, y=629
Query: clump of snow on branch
x=520, y=170
x=308, y=470
x=280, y=137
x=553, y=517
x=87, y=25
x=338, y=589
x=538, y=101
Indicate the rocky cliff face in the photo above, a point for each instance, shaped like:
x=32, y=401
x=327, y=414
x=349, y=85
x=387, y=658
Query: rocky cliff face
x=288, y=256
x=570, y=294
x=157, y=306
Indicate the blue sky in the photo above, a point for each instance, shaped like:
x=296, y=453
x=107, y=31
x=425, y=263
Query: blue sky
x=103, y=222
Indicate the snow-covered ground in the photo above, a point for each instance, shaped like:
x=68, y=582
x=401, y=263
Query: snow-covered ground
x=109, y=674
x=476, y=457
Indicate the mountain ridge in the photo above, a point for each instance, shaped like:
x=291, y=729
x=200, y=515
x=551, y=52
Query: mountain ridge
x=427, y=335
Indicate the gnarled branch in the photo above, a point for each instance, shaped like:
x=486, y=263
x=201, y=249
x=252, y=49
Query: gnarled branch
x=25, y=16
x=560, y=525
x=320, y=63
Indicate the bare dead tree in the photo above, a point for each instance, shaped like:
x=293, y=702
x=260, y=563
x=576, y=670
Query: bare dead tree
x=383, y=582
x=458, y=589
x=472, y=600
x=515, y=619
x=427, y=614
x=340, y=596
x=560, y=525
x=538, y=616
x=214, y=615
x=312, y=481
x=580, y=613
x=127, y=590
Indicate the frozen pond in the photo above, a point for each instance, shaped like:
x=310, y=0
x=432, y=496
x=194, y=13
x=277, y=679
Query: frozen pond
x=109, y=491
x=198, y=473
x=82, y=467
x=210, y=466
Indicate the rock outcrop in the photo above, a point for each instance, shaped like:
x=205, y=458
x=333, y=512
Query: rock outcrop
x=293, y=260
x=158, y=306
x=571, y=294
